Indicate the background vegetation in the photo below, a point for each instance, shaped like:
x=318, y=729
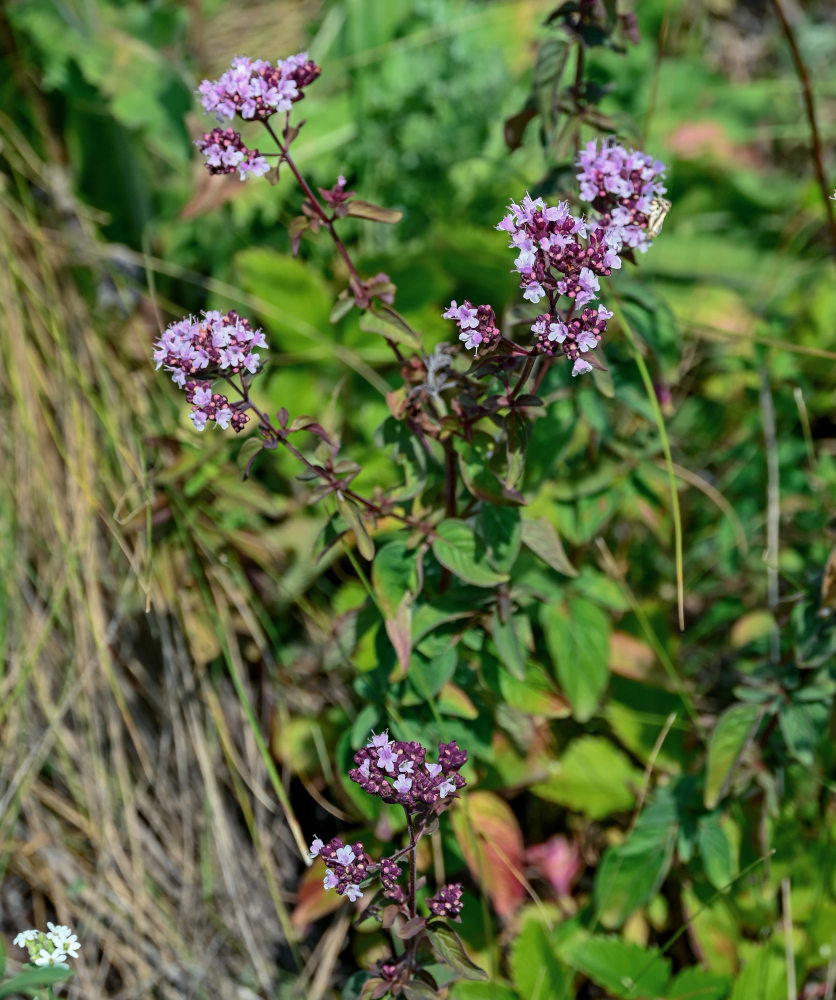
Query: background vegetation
x=183, y=681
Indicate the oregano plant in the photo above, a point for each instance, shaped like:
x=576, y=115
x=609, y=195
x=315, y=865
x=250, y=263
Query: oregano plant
x=452, y=528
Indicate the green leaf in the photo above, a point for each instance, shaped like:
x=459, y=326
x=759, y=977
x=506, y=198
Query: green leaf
x=449, y=948
x=31, y=979
x=416, y=990
x=578, y=639
x=508, y=645
x=623, y=968
x=500, y=528
x=733, y=733
x=363, y=723
x=631, y=873
x=763, y=974
x=393, y=575
x=494, y=990
x=593, y=777
x=409, y=454
x=354, y=519
x=289, y=295
x=540, y=536
x=342, y=307
x=537, y=971
x=695, y=984
x=534, y=694
x=353, y=989
x=390, y=324
x=801, y=726
x=457, y=548
x=716, y=851
x=246, y=456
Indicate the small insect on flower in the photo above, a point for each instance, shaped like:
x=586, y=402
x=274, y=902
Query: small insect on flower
x=659, y=208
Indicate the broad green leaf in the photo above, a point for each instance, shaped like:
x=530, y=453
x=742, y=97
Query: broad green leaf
x=593, y=777
x=291, y=297
x=407, y=451
x=537, y=971
x=578, y=639
x=30, y=979
x=393, y=575
x=500, y=529
x=696, y=984
x=448, y=947
x=540, y=536
x=716, y=850
x=631, y=873
x=622, y=967
x=457, y=547
x=734, y=731
x=494, y=990
x=511, y=651
x=763, y=974
x=534, y=694
x=801, y=725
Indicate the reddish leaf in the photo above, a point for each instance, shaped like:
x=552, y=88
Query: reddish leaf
x=492, y=844
x=312, y=901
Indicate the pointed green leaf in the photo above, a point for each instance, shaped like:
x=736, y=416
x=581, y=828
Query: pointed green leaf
x=716, y=850
x=540, y=536
x=353, y=518
x=449, y=948
x=537, y=971
x=578, y=639
x=457, y=548
x=733, y=733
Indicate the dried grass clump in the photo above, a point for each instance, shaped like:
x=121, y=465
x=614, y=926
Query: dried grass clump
x=137, y=797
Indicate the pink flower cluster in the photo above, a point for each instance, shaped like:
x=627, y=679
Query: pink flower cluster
x=575, y=337
x=447, y=902
x=225, y=152
x=214, y=345
x=559, y=253
x=621, y=185
x=477, y=325
x=255, y=90
x=400, y=773
x=208, y=405
x=347, y=866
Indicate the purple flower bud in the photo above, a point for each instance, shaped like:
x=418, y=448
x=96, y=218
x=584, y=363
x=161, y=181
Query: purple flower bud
x=447, y=902
x=477, y=326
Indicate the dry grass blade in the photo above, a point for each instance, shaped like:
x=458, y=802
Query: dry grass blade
x=129, y=810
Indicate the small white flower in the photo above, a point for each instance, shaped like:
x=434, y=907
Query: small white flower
x=353, y=892
x=345, y=855
x=330, y=880
x=446, y=788
x=24, y=937
x=45, y=958
x=403, y=784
